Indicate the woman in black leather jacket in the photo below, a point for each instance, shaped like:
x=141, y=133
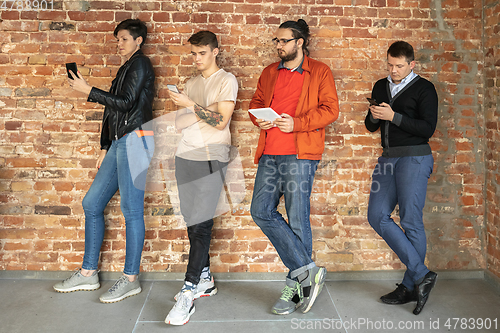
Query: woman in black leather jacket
x=126, y=148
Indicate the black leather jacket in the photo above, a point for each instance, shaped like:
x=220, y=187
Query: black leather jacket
x=129, y=102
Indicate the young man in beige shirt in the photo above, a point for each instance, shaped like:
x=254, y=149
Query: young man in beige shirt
x=201, y=160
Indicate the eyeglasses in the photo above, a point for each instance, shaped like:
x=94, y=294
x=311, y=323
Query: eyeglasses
x=282, y=42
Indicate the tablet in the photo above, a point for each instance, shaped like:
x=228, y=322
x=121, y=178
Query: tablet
x=264, y=113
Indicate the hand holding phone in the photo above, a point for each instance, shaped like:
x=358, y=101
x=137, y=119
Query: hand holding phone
x=173, y=87
x=71, y=66
x=372, y=101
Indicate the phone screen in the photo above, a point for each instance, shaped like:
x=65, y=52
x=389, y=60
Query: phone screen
x=71, y=66
x=172, y=87
x=372, y=101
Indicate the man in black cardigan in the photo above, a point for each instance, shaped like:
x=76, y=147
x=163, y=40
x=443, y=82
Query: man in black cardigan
x=404, y=106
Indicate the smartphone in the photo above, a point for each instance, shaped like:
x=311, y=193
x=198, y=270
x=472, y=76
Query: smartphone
x=71, y=66
x=372, y=101
x=173, y=87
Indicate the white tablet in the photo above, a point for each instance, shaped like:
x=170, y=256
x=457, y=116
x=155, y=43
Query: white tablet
x=264, y=113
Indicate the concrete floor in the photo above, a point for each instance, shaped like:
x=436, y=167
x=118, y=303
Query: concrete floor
x=31, y=305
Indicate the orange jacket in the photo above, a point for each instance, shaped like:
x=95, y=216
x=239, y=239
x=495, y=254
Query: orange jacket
x=317, y=108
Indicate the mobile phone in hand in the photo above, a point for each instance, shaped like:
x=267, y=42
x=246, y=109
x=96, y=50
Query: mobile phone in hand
x=173, y=87
x=372, y=101
x=71, y=66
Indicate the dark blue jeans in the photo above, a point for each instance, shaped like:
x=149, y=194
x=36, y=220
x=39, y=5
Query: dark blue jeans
x=403, y=181
x=114, y=174
x=285, y=175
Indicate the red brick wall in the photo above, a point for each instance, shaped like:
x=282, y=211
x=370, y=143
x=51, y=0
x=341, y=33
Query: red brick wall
x=49, y=134
x=492, y=112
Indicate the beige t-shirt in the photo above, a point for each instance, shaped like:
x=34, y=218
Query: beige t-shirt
x=200, y=141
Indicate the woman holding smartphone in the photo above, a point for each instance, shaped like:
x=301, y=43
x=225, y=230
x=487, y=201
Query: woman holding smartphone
x=125, y=146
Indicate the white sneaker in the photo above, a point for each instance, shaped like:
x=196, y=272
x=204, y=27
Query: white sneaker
x=206, y=287
x=182, y=310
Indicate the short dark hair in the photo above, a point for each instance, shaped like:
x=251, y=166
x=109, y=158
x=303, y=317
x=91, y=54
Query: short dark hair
x=135, y=28
x=300, y=29
x=203, y=38
x=401, y=49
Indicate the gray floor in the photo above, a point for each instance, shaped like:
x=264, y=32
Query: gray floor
x=30, y=305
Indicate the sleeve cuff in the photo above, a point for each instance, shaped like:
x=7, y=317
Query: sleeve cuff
x=90, y=99
x=297, y=124
x=396, y=120
x=373, y=120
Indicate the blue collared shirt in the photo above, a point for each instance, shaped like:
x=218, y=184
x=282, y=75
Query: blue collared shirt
x=395, y=88
x=298, y=68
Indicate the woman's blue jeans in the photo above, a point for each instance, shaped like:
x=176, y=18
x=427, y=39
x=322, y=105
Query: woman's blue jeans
x=115, y=174
x=403, y=181
x=285, y=175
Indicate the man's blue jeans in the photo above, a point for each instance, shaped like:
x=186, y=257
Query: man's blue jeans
x=115, y=174
x=285, y=175
x=403, y=181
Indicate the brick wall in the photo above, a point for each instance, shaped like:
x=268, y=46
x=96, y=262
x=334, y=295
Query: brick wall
x=492, y=112
x=49, y=134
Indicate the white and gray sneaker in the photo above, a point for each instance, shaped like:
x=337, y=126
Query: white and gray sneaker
x=204, y=288
x=78, y=282
x=122, y=289
x=182, y=310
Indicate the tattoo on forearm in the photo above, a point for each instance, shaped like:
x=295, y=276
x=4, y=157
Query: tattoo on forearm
x=210, y=117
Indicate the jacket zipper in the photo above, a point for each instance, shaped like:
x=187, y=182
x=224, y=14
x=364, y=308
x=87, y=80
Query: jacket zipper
x=126, y=116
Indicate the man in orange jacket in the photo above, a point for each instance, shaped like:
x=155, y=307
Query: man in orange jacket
x=302, y=91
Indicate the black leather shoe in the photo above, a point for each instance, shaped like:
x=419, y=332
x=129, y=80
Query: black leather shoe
x=399, y=296
x=423, y=290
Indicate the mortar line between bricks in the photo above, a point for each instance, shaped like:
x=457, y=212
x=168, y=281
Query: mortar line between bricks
x=142, y=309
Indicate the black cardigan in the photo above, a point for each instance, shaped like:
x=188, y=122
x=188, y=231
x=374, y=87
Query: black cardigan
x=415, y=118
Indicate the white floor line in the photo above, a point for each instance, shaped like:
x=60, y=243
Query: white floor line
x=230, y=321
x=142, y=309
x=340, y=317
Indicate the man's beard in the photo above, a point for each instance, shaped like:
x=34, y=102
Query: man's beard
x=290, y=56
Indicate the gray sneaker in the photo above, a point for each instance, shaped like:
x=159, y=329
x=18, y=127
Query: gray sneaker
x=290, y=298
x=311, y=286
x=122, y=289
x=78, y=282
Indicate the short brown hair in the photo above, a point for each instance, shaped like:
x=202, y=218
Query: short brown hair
x=203, y=38
x=135, y=28
x=401, y=49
